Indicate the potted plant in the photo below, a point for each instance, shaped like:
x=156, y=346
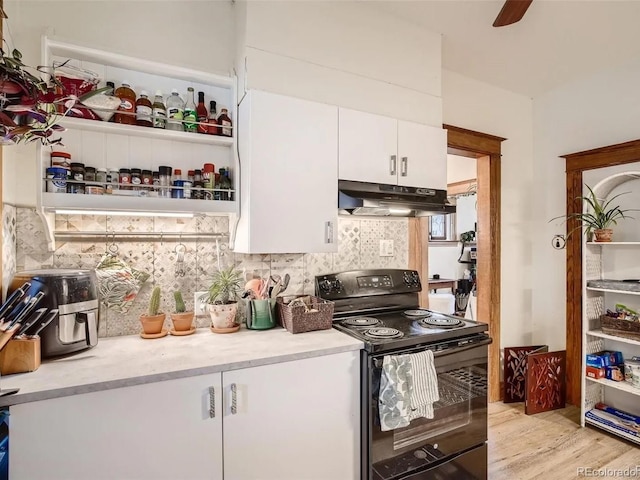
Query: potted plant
x=153, y=321
x=222, y=304
x=181, y=318
x=600, y=216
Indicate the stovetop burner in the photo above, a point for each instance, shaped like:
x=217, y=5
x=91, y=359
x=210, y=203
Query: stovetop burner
x=417, y=313
x=361, y=322
x=383, y=333
x=440, y=322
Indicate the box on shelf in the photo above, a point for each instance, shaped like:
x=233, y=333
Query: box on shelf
x=606, y=358
x=594, y=372
x=615, y=373
x=614, y=418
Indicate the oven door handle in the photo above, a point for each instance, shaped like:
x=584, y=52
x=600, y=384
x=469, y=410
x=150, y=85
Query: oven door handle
x=450, y=351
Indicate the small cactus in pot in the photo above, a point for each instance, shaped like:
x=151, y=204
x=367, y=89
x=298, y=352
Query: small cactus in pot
x=181, y=318
x=153, y=321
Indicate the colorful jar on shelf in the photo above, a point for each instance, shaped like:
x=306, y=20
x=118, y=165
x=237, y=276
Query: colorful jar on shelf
x=57, y=179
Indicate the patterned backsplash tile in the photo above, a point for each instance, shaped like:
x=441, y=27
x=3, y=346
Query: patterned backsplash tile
x=358, y=248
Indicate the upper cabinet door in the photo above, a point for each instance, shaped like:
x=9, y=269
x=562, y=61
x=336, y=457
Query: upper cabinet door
x=368, y=147
x=289, y=158
x=422, y=156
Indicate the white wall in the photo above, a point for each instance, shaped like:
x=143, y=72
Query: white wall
x=460, y=168
x=162, y=31
x=477, y=106
x=343, y=53
x=601, y=110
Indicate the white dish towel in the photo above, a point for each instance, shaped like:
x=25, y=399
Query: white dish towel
x=408, y=389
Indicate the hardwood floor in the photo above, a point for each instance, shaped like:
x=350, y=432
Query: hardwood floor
x=552, y=446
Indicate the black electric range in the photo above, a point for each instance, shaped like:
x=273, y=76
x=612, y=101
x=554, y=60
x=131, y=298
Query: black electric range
x=381, y=308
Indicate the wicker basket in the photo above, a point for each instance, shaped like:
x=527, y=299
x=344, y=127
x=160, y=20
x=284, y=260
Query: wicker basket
x=620, y=327
x=296, y=320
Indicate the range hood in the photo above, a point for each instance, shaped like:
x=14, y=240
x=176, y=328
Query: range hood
x=362, y=198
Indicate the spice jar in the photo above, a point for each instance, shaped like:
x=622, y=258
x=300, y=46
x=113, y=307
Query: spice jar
x=147, y=178
x=165, y=181
x=125, y=179
x=101, y=176
x=114, y=178
x=61, y=160
x=136, y=178
x=90, y=174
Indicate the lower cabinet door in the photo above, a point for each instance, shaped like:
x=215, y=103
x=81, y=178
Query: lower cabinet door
x=297, y=420
x=162, y=430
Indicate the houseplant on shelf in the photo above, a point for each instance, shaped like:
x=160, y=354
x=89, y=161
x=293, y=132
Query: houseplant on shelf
x=181, y=318
x=599, y=217
x=153, y=321
x=222, y=304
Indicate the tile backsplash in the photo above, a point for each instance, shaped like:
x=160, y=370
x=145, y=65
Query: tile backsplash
x=25, y=248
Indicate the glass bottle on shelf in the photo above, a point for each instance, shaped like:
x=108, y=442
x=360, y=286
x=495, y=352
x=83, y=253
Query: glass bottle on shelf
x=217, y=194
x=159, y=111
x=208, y=178
x=225, y=184
x=127, y=104
x=212, y=121
x=190, y=114
x=202, y=113
x=225, y=123
x=144, y=110
x=197, y=184
x=175, y=111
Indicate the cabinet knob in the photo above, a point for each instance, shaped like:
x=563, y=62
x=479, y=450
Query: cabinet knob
x=404, y=166
x=212, y=402
x=392, y=164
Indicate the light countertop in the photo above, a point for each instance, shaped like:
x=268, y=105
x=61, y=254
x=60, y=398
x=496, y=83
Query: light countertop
x=125, y=361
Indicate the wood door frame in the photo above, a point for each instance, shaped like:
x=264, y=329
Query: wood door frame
x=486, y=149
x=576, y=164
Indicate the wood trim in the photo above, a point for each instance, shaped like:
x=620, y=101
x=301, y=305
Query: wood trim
x=468, y=141
x=488, y=266
x=465, y=186
x=487, y=150
x=2, y=17
x=418, y=254
x=576, y=164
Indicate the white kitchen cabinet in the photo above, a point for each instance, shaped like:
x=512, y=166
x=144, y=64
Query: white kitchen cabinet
x=155, y=431
x=110, y=145
x=288, y=150
x=294, y=420
x=378, y=149
x=291, y=420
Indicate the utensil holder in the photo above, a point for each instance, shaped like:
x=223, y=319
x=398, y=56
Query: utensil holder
x=20, y=355
x=261, y=314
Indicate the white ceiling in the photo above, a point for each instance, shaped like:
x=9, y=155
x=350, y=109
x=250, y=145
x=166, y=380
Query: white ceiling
x=556, y=42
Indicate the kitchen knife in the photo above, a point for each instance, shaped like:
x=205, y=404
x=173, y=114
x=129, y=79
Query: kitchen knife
x=13, y=299
x=33, y=319
x=33, y=303
x=52, y=314
x=7, y=321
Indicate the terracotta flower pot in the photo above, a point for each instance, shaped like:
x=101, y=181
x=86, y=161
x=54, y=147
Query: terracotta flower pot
x=603, y=235
x=152, y=323
x=182, y=321
x=223, y=316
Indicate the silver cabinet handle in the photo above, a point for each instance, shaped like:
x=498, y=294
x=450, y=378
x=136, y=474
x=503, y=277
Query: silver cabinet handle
x=328, y=230
x=212, y=402
x=404, y=165
x=393, y=165
x=234, y=399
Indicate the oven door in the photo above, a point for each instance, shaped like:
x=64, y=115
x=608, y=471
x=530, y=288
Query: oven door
x=459, y=424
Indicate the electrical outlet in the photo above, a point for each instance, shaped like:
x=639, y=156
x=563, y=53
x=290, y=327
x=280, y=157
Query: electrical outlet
x=200, y=303
x=386, y=248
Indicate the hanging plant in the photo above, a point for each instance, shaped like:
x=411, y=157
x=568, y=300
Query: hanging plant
x=30, y=108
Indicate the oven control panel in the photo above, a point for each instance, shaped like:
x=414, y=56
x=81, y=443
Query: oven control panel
x=360, y=283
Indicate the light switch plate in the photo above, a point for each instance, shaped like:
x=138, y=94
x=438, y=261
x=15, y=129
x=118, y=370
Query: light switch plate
x=200, y=306
x=386, y=248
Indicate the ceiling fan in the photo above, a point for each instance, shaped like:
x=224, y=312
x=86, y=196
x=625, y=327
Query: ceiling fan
x=512, y=12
